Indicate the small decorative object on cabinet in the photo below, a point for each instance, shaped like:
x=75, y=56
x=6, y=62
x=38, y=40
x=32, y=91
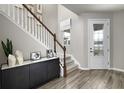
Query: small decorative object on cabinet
x=35, y=55
x=39, y=8
x=11, y=60
x=50, y=53
x=19, y=56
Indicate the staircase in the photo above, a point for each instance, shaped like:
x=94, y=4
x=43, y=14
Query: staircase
x=70, y=63
x=32, y=25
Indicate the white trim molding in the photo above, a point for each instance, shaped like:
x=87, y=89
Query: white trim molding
x=114, y=69
x=117, y=69
x=83, y=68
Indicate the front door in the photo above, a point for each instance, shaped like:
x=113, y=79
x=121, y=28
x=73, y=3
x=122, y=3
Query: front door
x=98, y=43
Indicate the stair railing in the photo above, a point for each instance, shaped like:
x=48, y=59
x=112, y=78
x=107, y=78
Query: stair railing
x=54, y=36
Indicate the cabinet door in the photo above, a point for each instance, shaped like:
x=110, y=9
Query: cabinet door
x=0, y=79
x=38, y=74
x=16, y=78
x=53, y=69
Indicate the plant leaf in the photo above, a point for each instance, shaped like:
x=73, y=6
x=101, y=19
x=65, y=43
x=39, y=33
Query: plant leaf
x=5, y=49
x=11, y=47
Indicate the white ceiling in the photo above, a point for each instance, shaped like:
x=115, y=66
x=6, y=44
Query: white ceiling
x=81, y=8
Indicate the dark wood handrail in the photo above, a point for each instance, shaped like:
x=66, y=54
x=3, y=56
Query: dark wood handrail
x=38, y=19
x=54, y=36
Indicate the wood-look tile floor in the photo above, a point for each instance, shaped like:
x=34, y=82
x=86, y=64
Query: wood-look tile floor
x=92, y=79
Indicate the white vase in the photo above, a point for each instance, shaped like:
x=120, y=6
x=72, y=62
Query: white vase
x=11, y=60
x=19, y=60
x=19, y=57
x=18, y=53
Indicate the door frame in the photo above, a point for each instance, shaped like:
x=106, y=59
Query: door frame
x=108, y=45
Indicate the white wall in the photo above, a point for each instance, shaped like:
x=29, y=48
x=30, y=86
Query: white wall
x=21, y=40
x=84, y=18
x=50, y=16
x=118, y=40
x=79, y=32
x=76, y=35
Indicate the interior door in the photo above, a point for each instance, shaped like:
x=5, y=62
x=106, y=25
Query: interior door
x=98, y=43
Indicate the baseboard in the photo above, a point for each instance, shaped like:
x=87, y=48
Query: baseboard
x=83, y=68
x=117, y=69
x=114, y=69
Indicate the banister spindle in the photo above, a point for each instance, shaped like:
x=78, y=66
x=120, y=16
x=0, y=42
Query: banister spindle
x=55, y=43
x=65, y=71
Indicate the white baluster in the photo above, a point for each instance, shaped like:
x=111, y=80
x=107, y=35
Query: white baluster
x=13, y=12
x=31, y=25
x=22, y=15
x=34, y=26
x=37, y=30
x=49, y=41
x=18, y=15
x=27, y=23
x=23, y=18
x=40, y=33
x=16, y=11
x=8, y=10
x=43, y=34
x=26, y=19
x=46, y=38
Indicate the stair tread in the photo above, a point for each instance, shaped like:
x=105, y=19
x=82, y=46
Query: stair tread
x=71, y=66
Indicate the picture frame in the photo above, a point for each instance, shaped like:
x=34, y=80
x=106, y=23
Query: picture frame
x=35, y=55
x=50, y=53
x=39, y=8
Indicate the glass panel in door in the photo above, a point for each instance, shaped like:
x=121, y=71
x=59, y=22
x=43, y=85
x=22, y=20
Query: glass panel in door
x=98, y=36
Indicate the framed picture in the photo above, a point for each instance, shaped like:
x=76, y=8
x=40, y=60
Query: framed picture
x=50, y=53
x=39, y=8
x=35, y=55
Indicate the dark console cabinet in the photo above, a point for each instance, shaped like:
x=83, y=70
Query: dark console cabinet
x=30, y=75
x=16, y=78
x=38, y=74
x=0, y=79
x=53, y=69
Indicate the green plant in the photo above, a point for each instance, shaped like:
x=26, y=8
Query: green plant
x=8, y=47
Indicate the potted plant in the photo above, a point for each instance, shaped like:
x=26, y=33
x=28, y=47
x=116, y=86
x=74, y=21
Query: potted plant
x=8, y=48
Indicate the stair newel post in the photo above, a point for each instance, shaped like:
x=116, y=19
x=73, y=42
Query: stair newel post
x=65, y=71
x=55, y=43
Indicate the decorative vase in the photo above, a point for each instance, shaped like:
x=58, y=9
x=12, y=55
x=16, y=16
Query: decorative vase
x=19, y=57
x=11, y=60
x=19, y=60
x=18, y=53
